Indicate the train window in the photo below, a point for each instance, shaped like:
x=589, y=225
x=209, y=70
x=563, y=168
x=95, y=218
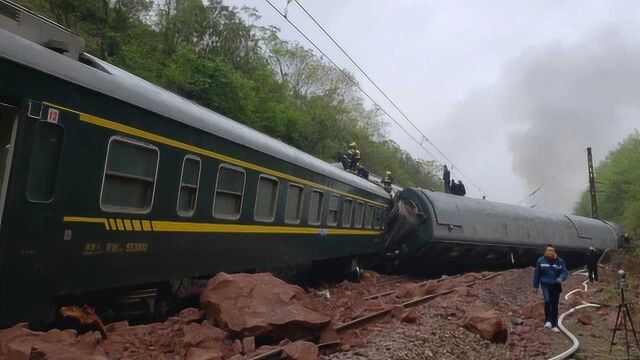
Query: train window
x=293, y=209
x=43, y=168
x=357, y=221
x=315, y=207
x=332, y=216
x=189, y=183
x=347, y=207
x=266, y=198
x=129, y=176
x=377, y=217
x=227, y=202
x=368, y=216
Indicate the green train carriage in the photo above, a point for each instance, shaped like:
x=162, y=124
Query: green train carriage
x=110, y=182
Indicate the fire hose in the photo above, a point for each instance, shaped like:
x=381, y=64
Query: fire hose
x=573, y=338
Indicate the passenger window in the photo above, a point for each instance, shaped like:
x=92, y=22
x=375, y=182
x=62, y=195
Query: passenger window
x=357, y=221
x=43, y=168
x=332, y=216
x=189, y=183
x=227, y=202
x=347, y=208
x=368, y=216
x=266, y=199
x=315, y=207
x=293, y=209
x=377, y=218
x=129, y=176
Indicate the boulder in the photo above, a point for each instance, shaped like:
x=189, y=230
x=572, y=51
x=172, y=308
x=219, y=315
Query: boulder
x=410, y=317
x=257, y=304
x=249, y=345
x=301, y=350
x=488, y=325
x=585, y=319
x=190, y=314
x=184, y=339
x=21, y=343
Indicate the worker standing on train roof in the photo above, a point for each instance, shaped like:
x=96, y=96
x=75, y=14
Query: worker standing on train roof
x=353, y=154
x=446, y=177
x=387, y=181
x=549, y=273
x=591, y=259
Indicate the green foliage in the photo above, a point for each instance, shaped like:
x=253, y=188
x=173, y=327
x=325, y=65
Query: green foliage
x=618, y=183
x=215, y=55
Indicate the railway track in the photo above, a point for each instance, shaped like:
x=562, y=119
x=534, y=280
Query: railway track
x=375, y=316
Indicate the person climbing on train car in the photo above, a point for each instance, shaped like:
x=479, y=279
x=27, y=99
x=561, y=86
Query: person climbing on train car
x=353, y=154
x=387, y=181
x=453, y=187
x=549, y=274
x=591, y=259
x=446, y=177
x=462, y=191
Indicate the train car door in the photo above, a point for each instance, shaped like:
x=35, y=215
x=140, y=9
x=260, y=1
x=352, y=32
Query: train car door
x=8, y=122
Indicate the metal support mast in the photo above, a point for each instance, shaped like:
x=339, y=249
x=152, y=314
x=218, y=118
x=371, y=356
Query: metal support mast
x=592, y=185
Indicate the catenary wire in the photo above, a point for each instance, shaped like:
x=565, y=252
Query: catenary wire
x=351, y=79
x=393, y=103
x=553, y=177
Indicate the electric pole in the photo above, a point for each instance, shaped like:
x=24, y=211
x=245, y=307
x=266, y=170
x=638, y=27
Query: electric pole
x=592, y=185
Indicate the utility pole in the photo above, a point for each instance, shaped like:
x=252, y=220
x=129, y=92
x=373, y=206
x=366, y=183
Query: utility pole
x=592, y=185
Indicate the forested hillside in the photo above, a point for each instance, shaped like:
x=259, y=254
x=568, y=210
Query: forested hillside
x=618, y=185
x=218, y=57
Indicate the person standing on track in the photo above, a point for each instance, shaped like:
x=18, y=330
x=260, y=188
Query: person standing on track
x=549, y=273
x=592, y=263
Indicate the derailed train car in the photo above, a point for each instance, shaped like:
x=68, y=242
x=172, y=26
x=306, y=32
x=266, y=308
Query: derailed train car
x=434, y=231
x=113, y=188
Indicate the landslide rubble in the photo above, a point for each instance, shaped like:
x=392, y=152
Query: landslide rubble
x=244, y=316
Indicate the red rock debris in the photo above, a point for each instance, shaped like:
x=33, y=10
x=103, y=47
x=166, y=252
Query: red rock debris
x=260, y=304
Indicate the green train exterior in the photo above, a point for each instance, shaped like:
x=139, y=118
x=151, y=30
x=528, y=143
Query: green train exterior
x=111, y=182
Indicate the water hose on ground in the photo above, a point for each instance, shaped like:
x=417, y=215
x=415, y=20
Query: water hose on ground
x=573, y=338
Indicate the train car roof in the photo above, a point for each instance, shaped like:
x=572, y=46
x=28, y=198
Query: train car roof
x=122, y=85
x=469, y=212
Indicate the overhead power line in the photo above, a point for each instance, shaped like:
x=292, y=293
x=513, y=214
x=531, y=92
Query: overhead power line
x=385, y=95
x=350, y=78
x=555, y=175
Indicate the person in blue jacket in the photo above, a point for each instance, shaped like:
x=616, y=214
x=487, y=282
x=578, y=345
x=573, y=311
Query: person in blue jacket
x=550, y=272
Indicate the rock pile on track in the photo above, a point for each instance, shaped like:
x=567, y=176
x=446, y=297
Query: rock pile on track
x=260, y=304
x=245, y=316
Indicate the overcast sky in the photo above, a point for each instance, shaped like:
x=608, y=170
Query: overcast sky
x=511, y=91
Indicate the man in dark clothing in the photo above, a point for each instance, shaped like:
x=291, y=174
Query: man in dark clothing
x=550, y=272
x=446, y=177
x=453, y=188
x=461, y=190
x=592, y=263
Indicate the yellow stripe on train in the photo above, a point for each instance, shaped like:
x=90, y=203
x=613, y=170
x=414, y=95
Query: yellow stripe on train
x=179, y=226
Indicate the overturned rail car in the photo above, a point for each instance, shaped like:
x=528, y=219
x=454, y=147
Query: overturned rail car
x=434, y=231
